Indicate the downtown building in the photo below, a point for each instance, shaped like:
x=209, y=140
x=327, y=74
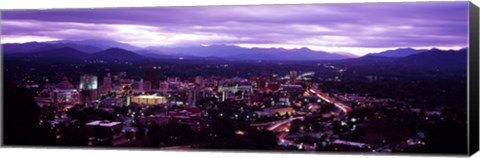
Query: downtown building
x=88, y=89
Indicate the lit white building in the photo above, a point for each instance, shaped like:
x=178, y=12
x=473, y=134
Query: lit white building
x=88, y=88
x=149, y=99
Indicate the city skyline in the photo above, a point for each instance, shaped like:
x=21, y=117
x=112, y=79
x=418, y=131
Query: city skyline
x=339, y=28
x=208, y=78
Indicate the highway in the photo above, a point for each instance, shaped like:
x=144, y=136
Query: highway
x=280, y=125
x=328, y=99
x=279, y=128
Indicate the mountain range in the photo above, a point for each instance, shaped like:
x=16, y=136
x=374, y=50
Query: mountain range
x=400, y=52
x=436, y=59
x=112, y=50
x=213, y=51
x=433, y=59
x=117, y=54
x=240, y=53
x=71, y=54
x=95, y=45
x=87, y=46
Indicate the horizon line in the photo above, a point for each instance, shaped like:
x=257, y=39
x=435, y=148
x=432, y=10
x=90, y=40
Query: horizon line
x=253, y=46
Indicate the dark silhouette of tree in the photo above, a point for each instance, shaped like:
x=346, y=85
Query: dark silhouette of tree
x=223, y=127
x=21, y=119
x=170, y=134
x=73, y=136
x=254, y=140
x=447, y=137
x=236, y=143
x=264, y=140
x=295, y=126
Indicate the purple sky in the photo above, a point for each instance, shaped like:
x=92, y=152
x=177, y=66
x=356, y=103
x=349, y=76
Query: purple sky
x=354, y=28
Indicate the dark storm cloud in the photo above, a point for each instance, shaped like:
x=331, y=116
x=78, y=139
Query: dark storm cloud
x=369, y=25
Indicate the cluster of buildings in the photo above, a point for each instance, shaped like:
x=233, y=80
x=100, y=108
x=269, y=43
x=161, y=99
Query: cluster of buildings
x=151, y=90
x=182, y=98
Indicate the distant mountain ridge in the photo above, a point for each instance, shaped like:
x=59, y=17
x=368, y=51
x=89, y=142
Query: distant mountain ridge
x=22, y=47
x=227, y=52
x=100, y=44
x=239, y=53
x=64, y=53
x=436, y=59
x=104, y=49
x=116, y=54
x=400, y=52
x=37, y=46
x=433, y=59
x=71, y=54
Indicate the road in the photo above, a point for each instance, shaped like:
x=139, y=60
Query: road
x=279, y=126
x=328, y=99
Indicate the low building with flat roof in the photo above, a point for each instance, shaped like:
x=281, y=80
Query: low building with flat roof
x=103, y=132
x=149, y=99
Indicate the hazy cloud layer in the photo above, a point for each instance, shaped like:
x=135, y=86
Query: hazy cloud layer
x=334, y=27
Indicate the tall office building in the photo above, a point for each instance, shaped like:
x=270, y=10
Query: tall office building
x=293, y=76
x=192, y=96
x=107, y=83
x=88, y=82
x=164, y=87
x=152, y=74
x=268, y=75
x=88, y=89
x=138, y=86
x=147, y=86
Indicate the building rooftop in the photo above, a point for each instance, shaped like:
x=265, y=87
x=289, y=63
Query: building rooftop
x=103, y=123
x=149, y=96
x=356, y=144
